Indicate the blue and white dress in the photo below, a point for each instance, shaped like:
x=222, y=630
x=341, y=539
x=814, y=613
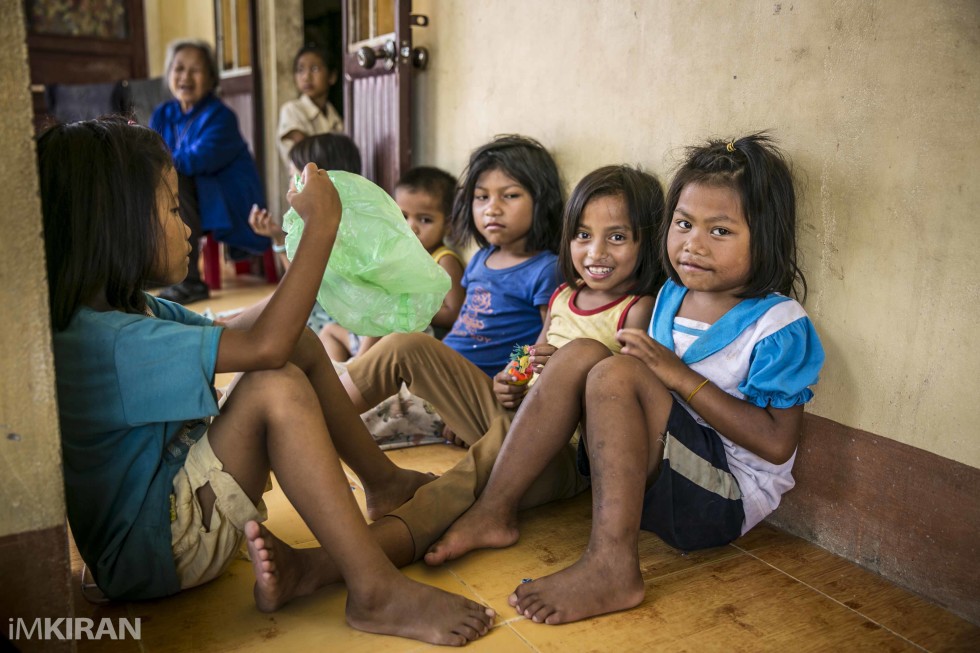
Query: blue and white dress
x=764, y=351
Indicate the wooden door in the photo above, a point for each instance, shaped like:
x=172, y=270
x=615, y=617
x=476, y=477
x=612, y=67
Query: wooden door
x=73, y=43
x=377, y=67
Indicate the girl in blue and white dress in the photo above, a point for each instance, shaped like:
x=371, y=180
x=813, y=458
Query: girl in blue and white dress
x=692, y=434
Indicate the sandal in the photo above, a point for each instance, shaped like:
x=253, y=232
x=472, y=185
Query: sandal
x=185, y=292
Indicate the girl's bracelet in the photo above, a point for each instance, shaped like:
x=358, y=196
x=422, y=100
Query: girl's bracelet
x=691, y=396
x=278, y=249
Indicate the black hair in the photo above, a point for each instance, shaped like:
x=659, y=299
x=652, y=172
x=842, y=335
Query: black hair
x=433, y=181
x=760, y=175
x=328, y=57
x=643, y=197
x=99, y=181
x=330, y=151
x=527, y=162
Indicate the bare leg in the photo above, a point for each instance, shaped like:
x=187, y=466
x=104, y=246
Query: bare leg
x=627, y=409
x=541, y=428
x=386, y=485
x=334, y=339
x=273, y=420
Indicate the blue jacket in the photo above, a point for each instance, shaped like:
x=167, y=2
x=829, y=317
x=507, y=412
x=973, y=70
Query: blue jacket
x=207, y=146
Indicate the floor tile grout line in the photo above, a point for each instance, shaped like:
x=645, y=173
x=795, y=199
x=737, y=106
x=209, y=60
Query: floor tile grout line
x=838, y=602
x=131, y=614
x=505, y=622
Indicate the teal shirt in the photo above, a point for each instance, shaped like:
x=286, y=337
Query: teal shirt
x=128, y=387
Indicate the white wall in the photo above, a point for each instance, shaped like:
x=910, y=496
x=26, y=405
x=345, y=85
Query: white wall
x=876, y=102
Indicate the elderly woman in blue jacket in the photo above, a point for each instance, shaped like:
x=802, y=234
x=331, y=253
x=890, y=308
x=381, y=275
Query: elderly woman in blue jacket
x=217, y=178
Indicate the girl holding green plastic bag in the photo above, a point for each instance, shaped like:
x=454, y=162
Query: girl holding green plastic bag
x=379, y=279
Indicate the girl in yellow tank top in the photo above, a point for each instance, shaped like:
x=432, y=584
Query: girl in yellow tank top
x=608, y=258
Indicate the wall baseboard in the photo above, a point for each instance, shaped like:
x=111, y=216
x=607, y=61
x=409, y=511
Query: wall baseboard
x=905, y=513
x=36, y=577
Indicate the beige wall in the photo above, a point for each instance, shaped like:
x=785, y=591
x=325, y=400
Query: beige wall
x=32, y=491
x=876, y=102
x=167, y=20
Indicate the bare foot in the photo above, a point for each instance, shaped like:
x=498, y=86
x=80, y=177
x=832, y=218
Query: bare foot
x=477, y=528
x=281, y=572
x=590, y=587
x=409, y=609
x=395, y=491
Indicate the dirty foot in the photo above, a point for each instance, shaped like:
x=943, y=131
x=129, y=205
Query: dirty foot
x=476, y=528
x=394, y=492
x=590, y=587
x=281, y=572
x=409, y=609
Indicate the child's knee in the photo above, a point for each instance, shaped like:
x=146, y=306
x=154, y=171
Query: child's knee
x=616, y=373
x=583, y=352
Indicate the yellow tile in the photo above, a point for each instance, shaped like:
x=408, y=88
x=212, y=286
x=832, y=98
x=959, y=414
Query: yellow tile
x=552, y=538
x=734, y=604
x=435, y=458
x=879, y=600
x=221, y=616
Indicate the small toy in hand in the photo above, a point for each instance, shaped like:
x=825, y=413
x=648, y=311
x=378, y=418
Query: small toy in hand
x=520, y=364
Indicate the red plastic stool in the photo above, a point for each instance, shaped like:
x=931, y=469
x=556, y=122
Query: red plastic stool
x=211, y=251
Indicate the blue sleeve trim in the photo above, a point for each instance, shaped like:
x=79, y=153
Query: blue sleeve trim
x=783, y=366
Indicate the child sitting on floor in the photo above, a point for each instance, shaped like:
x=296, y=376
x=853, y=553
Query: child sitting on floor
x=692, y=434
x=609, y=261
x=425, y=196
x=161, y=489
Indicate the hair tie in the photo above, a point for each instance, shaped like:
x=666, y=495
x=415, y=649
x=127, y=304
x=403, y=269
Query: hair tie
x=731, y=146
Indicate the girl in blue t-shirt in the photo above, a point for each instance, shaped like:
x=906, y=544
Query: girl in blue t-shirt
x=692, y=433
x=509, y=201
x=161, y=486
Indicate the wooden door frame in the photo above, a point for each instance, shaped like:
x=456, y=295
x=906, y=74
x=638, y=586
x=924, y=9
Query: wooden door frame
x=351, y=71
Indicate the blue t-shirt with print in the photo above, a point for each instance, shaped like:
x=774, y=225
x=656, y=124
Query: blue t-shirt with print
x=502, y=308
x=132, y=390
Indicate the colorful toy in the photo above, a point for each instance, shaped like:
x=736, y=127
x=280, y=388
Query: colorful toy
x=520, y=364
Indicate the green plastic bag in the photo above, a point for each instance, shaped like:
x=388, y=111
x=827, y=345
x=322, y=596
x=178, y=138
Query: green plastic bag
x=379, y=279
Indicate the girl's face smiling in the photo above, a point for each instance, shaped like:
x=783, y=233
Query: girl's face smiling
x=708, y=241
x=171, y=263
x=189, y=78
x=312, y=77
x=503, y=211
x=604, y=249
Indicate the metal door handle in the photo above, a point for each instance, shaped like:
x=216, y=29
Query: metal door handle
x=368, y=56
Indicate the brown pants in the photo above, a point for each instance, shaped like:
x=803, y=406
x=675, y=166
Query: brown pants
x=463, y=395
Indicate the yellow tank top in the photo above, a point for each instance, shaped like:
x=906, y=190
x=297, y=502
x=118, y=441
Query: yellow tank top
x=569, y=322
x=443, y=251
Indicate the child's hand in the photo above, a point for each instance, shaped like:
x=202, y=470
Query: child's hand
x=508, y=394
x=261, y=222
x=540, y=355
x=318, y=201
x=670, y=369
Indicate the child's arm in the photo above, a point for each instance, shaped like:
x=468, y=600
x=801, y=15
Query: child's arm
x=638, y=315
x=449, y=311
x=268, y=341
x=261, y=222
x=770, y=433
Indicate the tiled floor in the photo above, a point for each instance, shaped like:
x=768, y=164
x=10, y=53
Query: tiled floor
x=767, y=591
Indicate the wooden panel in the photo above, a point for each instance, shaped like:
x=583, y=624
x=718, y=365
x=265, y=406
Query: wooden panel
x=902, y=512
x=375, y=122
x=36, y=582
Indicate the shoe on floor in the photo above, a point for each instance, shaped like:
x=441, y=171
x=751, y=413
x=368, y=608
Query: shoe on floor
x=185, y=292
